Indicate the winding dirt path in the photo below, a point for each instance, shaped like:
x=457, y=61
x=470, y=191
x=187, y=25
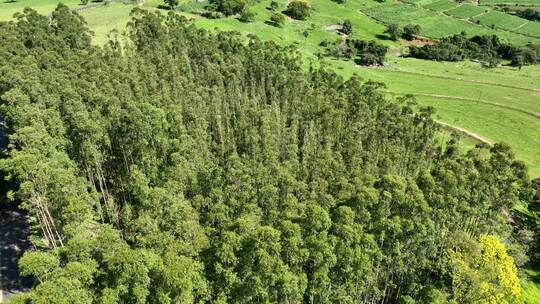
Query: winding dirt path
x=465, y=132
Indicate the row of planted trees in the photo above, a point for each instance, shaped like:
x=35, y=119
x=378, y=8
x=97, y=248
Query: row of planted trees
x=182, y=166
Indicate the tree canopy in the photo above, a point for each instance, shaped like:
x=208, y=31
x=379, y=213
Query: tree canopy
x=186, y=166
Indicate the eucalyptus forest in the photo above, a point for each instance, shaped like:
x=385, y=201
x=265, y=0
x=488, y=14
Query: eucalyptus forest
x=182, y=165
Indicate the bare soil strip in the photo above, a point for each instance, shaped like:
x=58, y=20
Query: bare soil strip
x=465, y=132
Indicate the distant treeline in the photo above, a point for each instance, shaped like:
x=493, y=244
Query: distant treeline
x=528, y=13
x=486, y=48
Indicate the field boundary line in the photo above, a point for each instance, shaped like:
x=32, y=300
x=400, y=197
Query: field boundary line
x=517, y=28
x=465, y=132
x=533, y=114
x=446, y=10
x=468, y=80
x=475, y=16
x=469, y=20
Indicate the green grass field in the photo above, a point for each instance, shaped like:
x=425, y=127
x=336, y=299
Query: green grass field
x=509, y=114
x=437, y=25
x=466, y=11
x=530, y=28
x=442, y=5
x=502, y=20
x=8, y=8
x=509, y=2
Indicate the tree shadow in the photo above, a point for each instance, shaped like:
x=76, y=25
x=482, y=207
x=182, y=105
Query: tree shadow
x=164, y=7
x=383, y=37
x=271, y=23
x=14, y=231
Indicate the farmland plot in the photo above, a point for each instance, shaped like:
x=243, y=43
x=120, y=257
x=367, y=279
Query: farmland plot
x=501, y=20
x=520, y=2
x=530, y=28
x=436, y=25
x=441, y=5
x=467, y=11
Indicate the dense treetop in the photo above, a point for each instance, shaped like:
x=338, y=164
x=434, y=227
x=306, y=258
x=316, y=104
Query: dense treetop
x=183, y=166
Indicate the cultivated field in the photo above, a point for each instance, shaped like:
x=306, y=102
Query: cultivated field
x=8, y=8
x=441, y=5
x=466, y=11
x=517, y=2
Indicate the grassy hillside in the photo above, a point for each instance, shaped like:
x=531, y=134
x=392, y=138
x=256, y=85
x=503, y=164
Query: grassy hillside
x=8, y=8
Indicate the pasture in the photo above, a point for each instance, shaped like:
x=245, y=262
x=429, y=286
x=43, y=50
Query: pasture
x=8, y=8
x=509, y=2
x=502, y=20
x=501, y=107
x=466, y=11
x=439, y=22
x=441, y=5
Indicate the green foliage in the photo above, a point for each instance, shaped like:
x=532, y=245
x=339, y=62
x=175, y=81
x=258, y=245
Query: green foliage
x=185, y=166
x=299, y=10
x=172, y=4
x=246, y=16
x=410, y=31
x=363, y=52
x=485, y=274
x=230, y=7
x=274, y=5
x=394, y=31
x=277, y=19
x=346, y=27
x=529, y=14
x=486, y=48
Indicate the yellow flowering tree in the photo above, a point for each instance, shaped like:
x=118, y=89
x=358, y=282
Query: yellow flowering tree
x=485, y=274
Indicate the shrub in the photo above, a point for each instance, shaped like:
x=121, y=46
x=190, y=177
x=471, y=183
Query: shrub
x=393, y=31
x=172, y=4
x=277, y=19
x=363, y=52
x=229, y=7
x=347, y=27
x=274, y=5
x=298, y=10
x=246, y=16
x=410, y=31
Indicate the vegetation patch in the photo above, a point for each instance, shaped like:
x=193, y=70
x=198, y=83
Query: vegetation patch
x=189, y=166
x=501, y=20
x=441, y=5
x=466, y=11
